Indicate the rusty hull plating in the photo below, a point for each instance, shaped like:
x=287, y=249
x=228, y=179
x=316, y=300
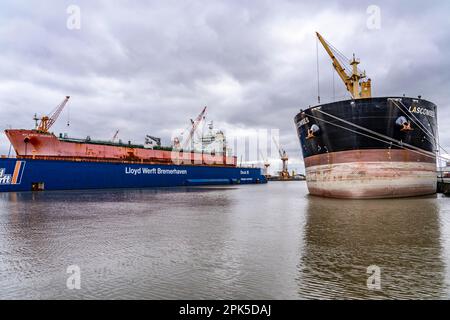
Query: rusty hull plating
x=36, y=145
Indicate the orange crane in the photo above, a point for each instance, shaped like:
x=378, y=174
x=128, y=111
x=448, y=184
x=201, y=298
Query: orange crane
x=353, y=79
x=284, y=173
x=47, y=121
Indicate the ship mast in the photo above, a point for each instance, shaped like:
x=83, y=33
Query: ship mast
x=355, y=81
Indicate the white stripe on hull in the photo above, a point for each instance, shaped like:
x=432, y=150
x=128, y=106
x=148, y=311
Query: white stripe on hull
x=364, y=180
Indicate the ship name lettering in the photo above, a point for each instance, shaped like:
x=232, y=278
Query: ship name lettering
x=422, y=111
x=302, y=122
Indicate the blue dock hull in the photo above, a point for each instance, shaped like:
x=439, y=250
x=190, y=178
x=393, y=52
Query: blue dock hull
x=28, y=175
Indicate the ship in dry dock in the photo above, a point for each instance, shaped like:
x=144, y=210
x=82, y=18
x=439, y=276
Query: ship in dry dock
x=368, y=147
x=45, y=161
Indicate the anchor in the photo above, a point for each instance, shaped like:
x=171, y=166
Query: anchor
x=406, y=127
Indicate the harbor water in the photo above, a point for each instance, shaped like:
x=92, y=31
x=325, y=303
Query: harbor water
x=270, y=241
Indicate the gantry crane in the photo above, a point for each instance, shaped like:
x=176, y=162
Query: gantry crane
x=284, y=174
x=354, y=80
x=47, y=121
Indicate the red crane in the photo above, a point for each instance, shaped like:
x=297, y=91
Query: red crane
x=49, y=120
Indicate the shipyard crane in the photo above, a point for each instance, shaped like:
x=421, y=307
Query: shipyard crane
x=266, y=163
x=284, y=174
x=115, y=136
x=194, y=125
x=355, y=81
x=149, y=140
x=47, y=121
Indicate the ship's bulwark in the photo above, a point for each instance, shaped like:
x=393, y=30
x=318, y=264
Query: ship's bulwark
x=29, y=174
x=342, y=161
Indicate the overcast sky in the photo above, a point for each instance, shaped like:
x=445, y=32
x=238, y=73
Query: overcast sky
x=149, y=68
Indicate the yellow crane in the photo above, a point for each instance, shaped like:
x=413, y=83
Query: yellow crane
x=355, y=81
x=284, y=173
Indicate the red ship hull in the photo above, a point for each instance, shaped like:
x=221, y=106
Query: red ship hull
x=33, y=144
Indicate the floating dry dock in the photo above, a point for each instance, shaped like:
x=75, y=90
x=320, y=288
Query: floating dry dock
x=27, y=174
x=45, y=161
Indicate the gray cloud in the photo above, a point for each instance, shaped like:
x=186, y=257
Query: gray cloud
x=149, y=68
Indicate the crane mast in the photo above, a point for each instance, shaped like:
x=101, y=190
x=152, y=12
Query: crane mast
x=47, y=121
x=115, y=135
x=354, y=81
x=194, y=127
x=266, y=163
x=284, y=174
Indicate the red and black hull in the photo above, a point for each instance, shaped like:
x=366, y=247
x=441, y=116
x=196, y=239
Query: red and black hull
x=360, y=148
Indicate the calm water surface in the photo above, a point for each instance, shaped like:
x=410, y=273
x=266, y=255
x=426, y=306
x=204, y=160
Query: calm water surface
x=269, y=241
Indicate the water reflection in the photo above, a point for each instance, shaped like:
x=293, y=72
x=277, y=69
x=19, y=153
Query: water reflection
x=129, y=243
x=343, y=237
x=242, y=242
